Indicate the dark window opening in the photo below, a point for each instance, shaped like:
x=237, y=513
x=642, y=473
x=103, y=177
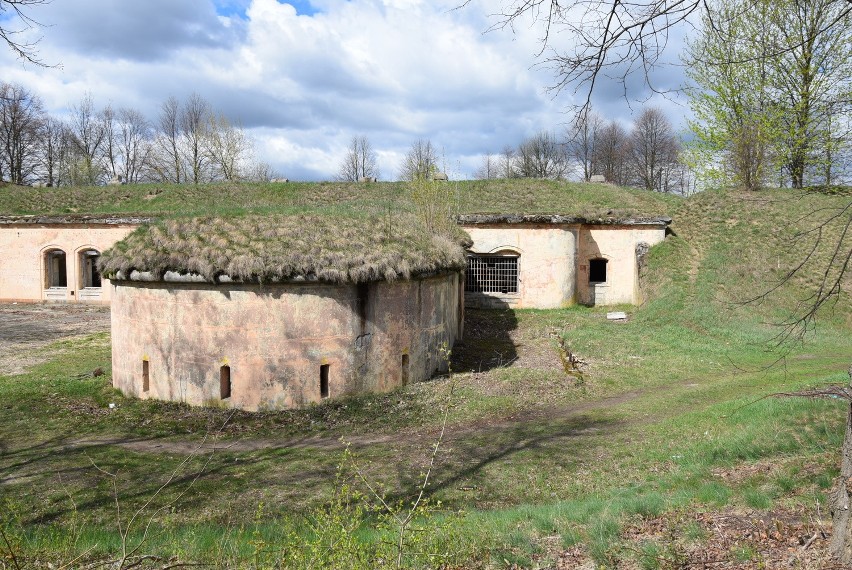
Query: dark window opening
x=89, y=274
x=491, y=274
x=57, y=275
x=324, y=380
x=225, y=382
x=363, y=292
x=597, y=270
x=146, y=379
x=404, y=369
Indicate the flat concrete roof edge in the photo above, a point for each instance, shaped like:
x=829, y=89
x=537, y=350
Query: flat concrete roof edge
x=476, y=219
x=101, y=219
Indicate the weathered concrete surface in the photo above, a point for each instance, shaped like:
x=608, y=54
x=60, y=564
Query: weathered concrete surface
x=24, y=240
x=275, y=338
x=546, y=266
x=616, y=244
x=554, y=250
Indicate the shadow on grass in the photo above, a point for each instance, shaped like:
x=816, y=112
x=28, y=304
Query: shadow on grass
x=487, y=342
x=467, y=459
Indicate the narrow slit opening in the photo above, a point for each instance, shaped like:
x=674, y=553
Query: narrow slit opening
x=324, y=381
x=146, y=379
x=225, y=382
x=405, y=368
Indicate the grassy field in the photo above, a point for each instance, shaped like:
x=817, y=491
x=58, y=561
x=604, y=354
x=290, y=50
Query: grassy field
x=673, y=421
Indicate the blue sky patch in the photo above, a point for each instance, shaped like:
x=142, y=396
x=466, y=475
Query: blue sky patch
x=303, y=7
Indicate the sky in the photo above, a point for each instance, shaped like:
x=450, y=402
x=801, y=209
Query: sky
x=304, y=77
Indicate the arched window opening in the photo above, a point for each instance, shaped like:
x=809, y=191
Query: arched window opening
x=597, y=270
x=492, y=274
x=56, y=274
x=89, y=275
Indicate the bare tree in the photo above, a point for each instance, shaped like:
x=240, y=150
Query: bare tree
x=421, y=161
x=359, y=162
x=134, y=143
x=53, y=151
x=12, y=8
x=227, y=148
x=21, y=118
x=654, y=150
x=110, y=144
x=194, y=121
x=583, y=139
x=611, y=153
x=489, y=169
x=88, y=135
x=541, y=156
x=507, y=162
x=166, y=160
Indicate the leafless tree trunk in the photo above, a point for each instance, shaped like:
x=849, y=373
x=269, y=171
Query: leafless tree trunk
x=359, y=162
x=489, y=168
x=583, y=141
x=134, y=140
x=108, y=120
x=541, y=156
x=507, y=163
x=52, y=151
x=653, y=150
x=194, y=120
x=611, y=153
x=21, y=118
x=167, y=160
x=88, y=133
x=421, y=161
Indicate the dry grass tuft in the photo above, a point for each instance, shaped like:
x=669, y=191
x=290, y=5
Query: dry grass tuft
x=341, y=249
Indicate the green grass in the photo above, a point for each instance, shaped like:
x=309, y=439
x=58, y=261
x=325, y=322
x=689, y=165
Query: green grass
x=331, y=198
x=675, y=416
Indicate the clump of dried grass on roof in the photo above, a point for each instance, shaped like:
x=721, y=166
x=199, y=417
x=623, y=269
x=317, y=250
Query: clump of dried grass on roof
x=339, y=249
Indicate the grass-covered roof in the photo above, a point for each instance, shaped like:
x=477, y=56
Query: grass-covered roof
x=515, y=196
x=276, y=247
x=334, y=232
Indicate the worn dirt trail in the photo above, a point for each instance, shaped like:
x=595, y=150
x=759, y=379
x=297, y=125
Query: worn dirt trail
x=27, y=327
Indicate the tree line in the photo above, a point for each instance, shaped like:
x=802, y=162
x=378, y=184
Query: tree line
x=188, y=142
x=647, y=155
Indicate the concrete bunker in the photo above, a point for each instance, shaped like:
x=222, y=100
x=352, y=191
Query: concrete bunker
x=261, y=337
x=55, y=258
x=547, y=261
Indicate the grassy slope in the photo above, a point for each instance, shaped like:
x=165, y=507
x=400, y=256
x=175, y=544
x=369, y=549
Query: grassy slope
x=526, y=196
x=671, y=405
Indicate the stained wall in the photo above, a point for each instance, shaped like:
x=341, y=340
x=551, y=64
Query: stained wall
x=554, y=259
x=22, y=266
x=618, y=245
x=275, y=339
x=546, y=264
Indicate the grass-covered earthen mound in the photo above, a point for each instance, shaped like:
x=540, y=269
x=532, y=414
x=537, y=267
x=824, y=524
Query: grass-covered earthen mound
x=517, y=196
x=341, y=249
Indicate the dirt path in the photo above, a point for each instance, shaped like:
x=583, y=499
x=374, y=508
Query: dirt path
x=24, y=328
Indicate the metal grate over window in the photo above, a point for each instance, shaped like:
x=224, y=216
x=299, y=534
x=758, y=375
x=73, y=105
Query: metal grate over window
x=491, y=274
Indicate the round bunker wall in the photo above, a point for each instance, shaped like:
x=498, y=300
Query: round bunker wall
x=279, y=346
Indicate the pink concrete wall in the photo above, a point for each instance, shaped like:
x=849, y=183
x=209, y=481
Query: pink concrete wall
x=22, y=268
x=546, y=265
x=275, y=338
x=554, y=262
x=616, y=244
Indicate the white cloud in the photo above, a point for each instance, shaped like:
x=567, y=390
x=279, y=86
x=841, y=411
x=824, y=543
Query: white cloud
x=303, y=85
